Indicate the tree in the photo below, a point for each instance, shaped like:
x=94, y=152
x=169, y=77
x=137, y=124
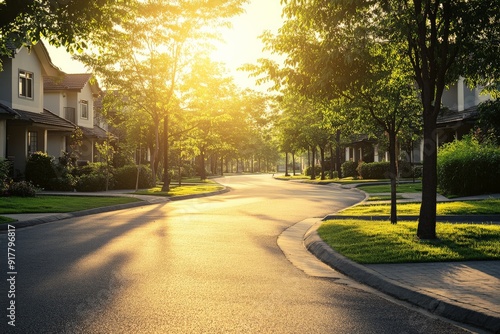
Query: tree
x=146, y=55
x=62, y=23
x=441, y=39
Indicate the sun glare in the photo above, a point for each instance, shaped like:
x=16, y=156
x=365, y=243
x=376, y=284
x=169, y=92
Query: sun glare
x=240, y=43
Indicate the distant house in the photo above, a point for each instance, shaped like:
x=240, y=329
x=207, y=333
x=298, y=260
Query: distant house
x=455, y=120
x=74, y=98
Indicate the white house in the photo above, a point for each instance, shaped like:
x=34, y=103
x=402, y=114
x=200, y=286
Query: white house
x=25, y=125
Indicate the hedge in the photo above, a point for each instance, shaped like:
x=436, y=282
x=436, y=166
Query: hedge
x=349, y=169
x=125, y=177
x=374, y=170
x=466, y=167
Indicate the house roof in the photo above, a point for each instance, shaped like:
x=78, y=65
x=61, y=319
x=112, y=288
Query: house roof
x=6, y=112
x=447, y=116
x=46, y=118
x=67, y=82
x=95, y=132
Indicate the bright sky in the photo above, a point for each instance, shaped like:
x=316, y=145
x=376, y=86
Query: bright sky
x=241, y=46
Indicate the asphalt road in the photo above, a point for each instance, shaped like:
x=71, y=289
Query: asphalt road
x=209, y=265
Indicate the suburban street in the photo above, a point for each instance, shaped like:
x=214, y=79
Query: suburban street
x=205, y=265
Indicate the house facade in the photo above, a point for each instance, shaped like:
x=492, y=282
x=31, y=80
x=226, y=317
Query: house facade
x=73, y=97
x=27, y=127
x=41, y=106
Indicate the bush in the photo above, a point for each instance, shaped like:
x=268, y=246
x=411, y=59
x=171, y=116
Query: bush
x=374, y=170
x=466, y=167
x=40, y=169
x=93, y=182
x=317, y=171
x=5, y=167
x=349, y=169
x=92, y=177
x=23, y=189
x=125, y=177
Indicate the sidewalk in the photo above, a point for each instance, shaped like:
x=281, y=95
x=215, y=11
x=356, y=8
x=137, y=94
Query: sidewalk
x=466, y=292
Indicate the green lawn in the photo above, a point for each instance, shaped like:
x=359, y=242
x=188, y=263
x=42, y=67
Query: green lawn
x=380, y=242
x=53, y=204
x=188, y=189
x=488, y=206
x=386, y=188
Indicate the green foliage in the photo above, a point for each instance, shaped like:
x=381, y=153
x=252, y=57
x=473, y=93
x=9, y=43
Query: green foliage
x=349, y=169
x=92, y=177
x=23, y=189
x=5, y=167
x=40, y=169
x=125, y=177
x=374, y=170
x=489, y=121
x=466, y=167
x=317, y=171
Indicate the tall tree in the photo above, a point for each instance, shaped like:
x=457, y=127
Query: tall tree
x=442, y=39
x=147, y=53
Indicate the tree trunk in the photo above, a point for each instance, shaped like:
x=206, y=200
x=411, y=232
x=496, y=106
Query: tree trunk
x=427, y=220
x=286, y=164
x=293, y=163
x=166, y=176
x=203, y=172
x=393, y=170
x=221, y=165
x=322, y=155
x=330, y=171
x=338, y=154
x=313, y=163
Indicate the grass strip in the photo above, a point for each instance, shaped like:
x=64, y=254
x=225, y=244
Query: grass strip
x=481, y=207
x=58, y=204
x=182, y=190
x=386, y=188
x=370, y=242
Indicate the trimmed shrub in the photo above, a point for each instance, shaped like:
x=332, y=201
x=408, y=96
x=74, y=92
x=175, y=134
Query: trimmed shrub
x=466, y=167
x=23, y=189
x=317, y=171
x=374, y=170
x=349, y=169
x=5, y=167
x=92, y=177
x=93, y=182
x=40, y=169
x=125, y=177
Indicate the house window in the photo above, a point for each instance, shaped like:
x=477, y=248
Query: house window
x=32, y=142
x=84, y=109
x=25, y=84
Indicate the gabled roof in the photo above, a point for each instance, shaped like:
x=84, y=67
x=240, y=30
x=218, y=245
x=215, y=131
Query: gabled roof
x=446, y=116
x=69, y=82
x=45, y=118
x=43, y=55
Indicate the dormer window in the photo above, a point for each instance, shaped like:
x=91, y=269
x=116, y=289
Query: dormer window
x=25, y=84
x=84, y=109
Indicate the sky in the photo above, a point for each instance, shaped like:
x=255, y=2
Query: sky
x=241, y=43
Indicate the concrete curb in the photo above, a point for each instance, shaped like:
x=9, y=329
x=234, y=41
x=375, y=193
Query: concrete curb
x=61, y=216
x=364, y=275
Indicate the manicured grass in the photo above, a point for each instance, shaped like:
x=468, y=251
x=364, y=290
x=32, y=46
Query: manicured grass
x=482, y=207
x=351, y=180
x=182, y=190
x=383, y=198
x=380, y=242
x=386, y=188
x=54, y=204
x=6, y=220
x=292, y=177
